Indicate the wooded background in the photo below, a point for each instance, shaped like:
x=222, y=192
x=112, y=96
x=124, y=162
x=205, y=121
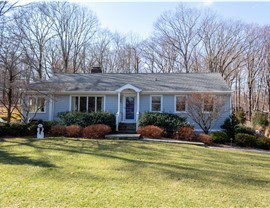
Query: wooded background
x=43, y=38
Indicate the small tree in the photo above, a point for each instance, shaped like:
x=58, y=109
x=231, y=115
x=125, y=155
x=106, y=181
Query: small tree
x=204, y=109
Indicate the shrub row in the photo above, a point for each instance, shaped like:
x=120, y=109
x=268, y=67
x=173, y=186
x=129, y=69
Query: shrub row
x=167, y=121
x=20, y=129
x=247, y=140
x=95, y=131
x=183, y=133
x=87, y=119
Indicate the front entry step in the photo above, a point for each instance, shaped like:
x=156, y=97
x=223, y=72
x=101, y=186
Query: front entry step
x=127, y=128
x=123, y=136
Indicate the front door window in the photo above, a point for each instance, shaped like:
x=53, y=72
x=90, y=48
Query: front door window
x=130, y=108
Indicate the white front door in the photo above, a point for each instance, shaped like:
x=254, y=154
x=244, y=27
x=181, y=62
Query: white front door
x=129, y=108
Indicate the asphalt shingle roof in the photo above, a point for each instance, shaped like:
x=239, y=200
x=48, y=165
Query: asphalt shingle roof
x=168, y=82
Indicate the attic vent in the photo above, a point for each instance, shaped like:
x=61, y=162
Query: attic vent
x=96, y=69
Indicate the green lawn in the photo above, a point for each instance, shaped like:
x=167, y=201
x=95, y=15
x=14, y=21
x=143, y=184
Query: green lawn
x=103, y=173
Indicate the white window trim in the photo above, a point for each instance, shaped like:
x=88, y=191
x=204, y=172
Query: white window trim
x=36, y=106
x=87, y=98
x=161, y=103
x=214, y=104
x=175, y=100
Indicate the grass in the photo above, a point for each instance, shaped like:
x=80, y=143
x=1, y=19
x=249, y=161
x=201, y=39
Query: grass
x=102, y=173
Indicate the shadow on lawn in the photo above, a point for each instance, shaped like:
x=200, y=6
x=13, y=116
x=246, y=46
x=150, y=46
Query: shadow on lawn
x=8, y=158
x=206, y=166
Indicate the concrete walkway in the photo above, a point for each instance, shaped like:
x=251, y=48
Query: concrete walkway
x=173, y=141
x=202, y=144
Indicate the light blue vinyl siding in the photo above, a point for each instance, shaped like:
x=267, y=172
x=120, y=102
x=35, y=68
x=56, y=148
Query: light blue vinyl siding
x=111, y=103
x=61, y=104
x=144, y=103
x=168, y=103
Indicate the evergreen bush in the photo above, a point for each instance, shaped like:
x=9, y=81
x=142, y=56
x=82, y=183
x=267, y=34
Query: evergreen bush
x=219, y=137
x=244, y=129
x=229, y=126
x=87, y=119
x=245, y=140
x=169, y=122
x=240, y=116
x=263, y=143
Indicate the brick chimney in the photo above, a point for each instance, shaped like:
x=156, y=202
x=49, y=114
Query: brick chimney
x=96, y=69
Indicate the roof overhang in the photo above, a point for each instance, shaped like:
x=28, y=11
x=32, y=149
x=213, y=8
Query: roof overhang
x=128, y=87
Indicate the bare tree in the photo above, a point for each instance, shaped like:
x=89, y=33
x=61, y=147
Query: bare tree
x=74, y=26
x=180, y=29
x=11, y=73
x=6, y=6
x=204, y=109
x=33, y=29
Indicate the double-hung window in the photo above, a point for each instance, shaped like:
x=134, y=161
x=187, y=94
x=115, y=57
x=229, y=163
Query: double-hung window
x=180, y=103
x=37, y=104
x=87, y=103
x=156, y=103
x=208, y=104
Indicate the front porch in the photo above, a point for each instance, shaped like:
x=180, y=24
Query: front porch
x=128, y=106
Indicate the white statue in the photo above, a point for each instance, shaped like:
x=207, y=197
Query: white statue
x=40, y=131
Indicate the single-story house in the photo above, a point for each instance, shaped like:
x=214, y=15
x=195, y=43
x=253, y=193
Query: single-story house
x=125, y=95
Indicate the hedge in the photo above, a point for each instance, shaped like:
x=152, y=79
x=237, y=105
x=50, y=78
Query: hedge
x=219, y=137
x=87, y=119
x=169, y=122
x=245, y=140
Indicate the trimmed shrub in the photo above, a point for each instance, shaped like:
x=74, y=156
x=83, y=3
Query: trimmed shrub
x=87, y=119
x=263, y=143
x=184, y=133
x=96, y=131
x=16, y=129
x=74, y=131
x=169, y=122
x=58, y=130
x=206, y=139
x=151, y=131
x=245, y=140
x=244, y=130
x=219, y=137
x=259, y=118
x=229, y=126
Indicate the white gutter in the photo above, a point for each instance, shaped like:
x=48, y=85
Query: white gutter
x=115, y=92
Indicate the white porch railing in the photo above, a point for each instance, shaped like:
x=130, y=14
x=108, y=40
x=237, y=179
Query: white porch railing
x=118, y=119
x=137, y=120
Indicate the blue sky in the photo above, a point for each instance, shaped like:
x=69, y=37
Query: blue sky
x=139, y=17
